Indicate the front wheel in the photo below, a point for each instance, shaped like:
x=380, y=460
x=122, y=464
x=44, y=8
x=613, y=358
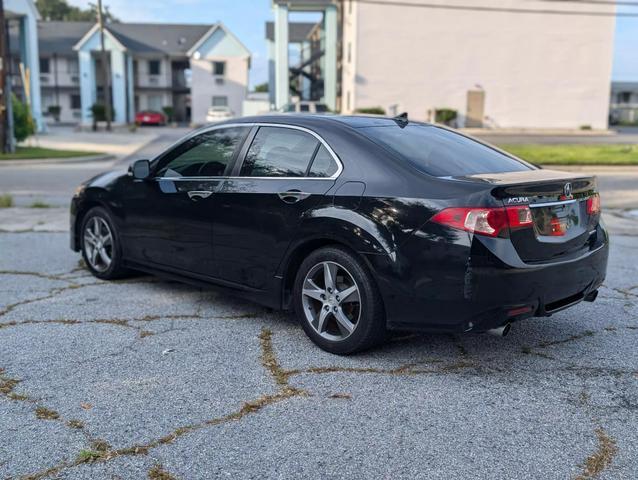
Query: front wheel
x=338, y=303
x=101, y=249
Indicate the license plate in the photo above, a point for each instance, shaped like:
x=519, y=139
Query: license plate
x=556, y=220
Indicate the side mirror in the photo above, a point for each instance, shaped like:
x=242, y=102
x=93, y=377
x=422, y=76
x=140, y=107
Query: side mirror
x=141, y=169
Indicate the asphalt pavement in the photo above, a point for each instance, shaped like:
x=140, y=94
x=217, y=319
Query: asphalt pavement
x=103, y=380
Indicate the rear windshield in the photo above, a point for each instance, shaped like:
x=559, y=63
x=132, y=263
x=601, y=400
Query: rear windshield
x=441, y=152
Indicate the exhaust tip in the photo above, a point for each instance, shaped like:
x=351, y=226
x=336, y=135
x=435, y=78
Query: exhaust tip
x=500, y=331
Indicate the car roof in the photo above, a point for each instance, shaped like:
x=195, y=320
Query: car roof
x=310, y=120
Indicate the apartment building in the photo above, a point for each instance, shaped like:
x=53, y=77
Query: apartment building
x=186, y=67
x=624, y=103
x=503, y=65
x=60, y=70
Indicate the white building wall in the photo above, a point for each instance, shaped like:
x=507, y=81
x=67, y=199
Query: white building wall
x=204, y=85
x=537, y=70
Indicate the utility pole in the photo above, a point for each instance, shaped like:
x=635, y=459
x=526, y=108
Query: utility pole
x=4, y=98
x=106, y=70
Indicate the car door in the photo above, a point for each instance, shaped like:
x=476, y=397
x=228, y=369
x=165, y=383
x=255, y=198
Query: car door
x=169, y=217
x=285, y=172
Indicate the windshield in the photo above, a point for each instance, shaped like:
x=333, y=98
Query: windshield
x=441, y=152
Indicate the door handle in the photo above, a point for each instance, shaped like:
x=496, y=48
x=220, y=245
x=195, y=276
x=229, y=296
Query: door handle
x=293, y=196
x=199, y=194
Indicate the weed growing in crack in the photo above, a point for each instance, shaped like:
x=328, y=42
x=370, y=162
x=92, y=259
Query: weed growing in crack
x=86, y=456
x=601, y=458
x=77, y=424
x=44, y=413
x=344, y=396
x=158, y=473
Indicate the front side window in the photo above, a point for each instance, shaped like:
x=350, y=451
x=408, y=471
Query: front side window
x=440, y=152
x=206, y=155
x=279, y=152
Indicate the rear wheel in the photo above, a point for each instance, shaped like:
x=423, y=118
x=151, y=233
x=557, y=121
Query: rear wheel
x=101, y=249
x=338, y=303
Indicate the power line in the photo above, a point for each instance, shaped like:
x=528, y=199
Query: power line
x=472, y=8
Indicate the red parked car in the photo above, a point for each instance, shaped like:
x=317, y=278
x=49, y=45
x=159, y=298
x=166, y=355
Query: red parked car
x=149, y=117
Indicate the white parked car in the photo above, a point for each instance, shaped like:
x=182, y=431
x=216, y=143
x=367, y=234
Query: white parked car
x=217, y=114
x=305, y=107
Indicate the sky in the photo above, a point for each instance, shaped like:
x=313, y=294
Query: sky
x=246, y=19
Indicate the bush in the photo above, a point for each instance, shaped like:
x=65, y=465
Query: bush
x=23, y=124
x=446, y=116
x=371, y=110
x=54, y=111
x=168, y=111
x=98, y=110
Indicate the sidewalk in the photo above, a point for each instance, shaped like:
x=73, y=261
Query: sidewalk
x=112, y=143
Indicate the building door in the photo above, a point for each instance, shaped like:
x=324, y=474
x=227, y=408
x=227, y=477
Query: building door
x=475, y=109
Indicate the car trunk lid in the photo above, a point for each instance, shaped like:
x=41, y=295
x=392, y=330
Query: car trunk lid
x=560, y=208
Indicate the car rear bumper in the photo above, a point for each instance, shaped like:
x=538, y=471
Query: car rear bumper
x=483, y=292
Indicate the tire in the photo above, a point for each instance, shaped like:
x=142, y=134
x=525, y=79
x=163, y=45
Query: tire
x=94, y=258
x=327, y=316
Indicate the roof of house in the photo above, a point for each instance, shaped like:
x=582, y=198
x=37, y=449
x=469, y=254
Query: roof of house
x=171, y=39
x=164, y=38
x=624, y=86
x=297, y=31
x=59, y=37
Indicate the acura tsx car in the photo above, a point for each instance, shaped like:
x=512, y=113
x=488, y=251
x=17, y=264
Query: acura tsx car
x=361, y=225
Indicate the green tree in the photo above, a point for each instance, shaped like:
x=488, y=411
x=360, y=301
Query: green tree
x=61, y=10
x=23, y=124
x=262, y=87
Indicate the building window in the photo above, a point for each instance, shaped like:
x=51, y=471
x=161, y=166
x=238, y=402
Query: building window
x=155, y=103
x=219, y=69
x=348, y=101
x=154, y=67
x=349, y=52
x=220, y=101
x=45, y=65
x=76, y=102
x=72, y=66
x=624, y=97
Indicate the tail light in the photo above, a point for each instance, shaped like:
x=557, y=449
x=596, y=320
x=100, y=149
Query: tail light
x=485, y=221
x=593, y=204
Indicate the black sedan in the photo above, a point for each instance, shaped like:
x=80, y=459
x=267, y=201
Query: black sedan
x=360, y=224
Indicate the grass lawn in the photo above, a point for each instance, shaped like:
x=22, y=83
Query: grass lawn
x=576, y=154
x=28, y=153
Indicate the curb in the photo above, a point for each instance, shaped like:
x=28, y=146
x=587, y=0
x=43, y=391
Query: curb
x=57, y=161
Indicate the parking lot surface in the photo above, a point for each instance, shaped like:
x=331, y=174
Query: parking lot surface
x=143, y=377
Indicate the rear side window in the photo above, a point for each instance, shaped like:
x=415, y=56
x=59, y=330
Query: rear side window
x=323, y=165
x=440, y=152
x=279, y=152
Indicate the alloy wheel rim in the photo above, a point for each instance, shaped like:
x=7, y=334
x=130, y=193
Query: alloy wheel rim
x=98, y=244
x=331, y=301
